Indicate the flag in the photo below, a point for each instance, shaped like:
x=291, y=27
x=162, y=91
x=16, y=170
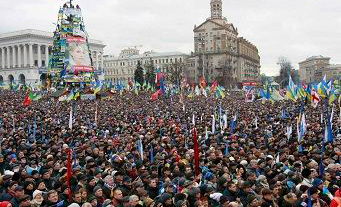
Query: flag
x=332, y=97
x=214, y=85
x=225, y=121
x=233, y=123
x=284, y=114
x=70, y=119
x=256, y=122
x=226, y=149
x=34, y=97
x=202, y=82
x=69, y=172
x=190, y=95
x=76, y=96
x=292, y=90
x=204, y=92
x=213, y=124
x=197, y=91
x=328, y=134
x=193, y=120
x=27, y=101
x=70, y=96
x=289, y=131
x=140, y=148
x=196, y=152
x=220, y=92
x=96, y=113
x=315, y=98
x=155, y=95
x=151, y=154
x=331, y=118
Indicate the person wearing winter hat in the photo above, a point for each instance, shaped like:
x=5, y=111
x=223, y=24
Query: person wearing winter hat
x=148, y=201
x=24, y=201
x=37, y=198
x=74, y=205
x=5, y=204
x=252, y=201
x=98, y=193
x=318, y=183
x=336, y=202
x=181, y=203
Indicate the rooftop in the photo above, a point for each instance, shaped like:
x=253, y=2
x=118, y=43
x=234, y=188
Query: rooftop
x=145, y=55
x=316, y=57
x=38, y=33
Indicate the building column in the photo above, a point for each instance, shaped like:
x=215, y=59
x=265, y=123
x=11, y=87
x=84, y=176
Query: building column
x=19, y=56
x=96, y=60
x=25, y=55
x=3, y=58
x=46, y=56
x=30, y=54
x=8, y=57
x=39, y=55
x=14, y=62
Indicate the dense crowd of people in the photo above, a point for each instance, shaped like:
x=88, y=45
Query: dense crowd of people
x=130, y=151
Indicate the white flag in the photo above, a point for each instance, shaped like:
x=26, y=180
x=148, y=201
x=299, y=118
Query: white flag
x=193, y=120
x=256, y=122
x=289, y=131
x=70, y=120
x=213, y=124
x=225, y=121
x=204, y=92
x=331, y=118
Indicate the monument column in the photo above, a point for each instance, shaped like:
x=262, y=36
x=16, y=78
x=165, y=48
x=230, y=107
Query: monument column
x=3, y=58
x=14, y=57
x=25, y=55
x=8, y=57
x=46, y=56
x=30, y=54
x=19, y=56
x=39, y=55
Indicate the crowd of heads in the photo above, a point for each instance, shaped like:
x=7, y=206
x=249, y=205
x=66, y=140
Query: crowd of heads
x=127, y=150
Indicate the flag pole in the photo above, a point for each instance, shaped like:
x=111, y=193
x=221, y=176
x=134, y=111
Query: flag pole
x=196, y=152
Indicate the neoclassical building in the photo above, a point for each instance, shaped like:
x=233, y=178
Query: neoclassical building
x=24, y=55
x=220, y=54
x=314, y=68
x=121, y=68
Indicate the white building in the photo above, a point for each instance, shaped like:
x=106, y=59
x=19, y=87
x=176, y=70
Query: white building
x=24, y=55
x=122, y=67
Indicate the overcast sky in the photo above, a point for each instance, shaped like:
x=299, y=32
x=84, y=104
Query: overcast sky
x=295, y=29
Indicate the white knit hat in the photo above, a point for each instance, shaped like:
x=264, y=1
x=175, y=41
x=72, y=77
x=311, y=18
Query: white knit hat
x=36, y=192
x=74, y=205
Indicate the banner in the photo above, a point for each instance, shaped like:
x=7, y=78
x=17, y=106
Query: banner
x=78, y=55
x=88, y=97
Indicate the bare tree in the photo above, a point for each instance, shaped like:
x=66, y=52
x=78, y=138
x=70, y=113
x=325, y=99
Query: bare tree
x=286, y=69
x=175, y=72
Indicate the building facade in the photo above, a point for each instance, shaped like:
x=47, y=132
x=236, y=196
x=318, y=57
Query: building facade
x=311, y=69
x=24, y=55
x=220, y=54
x=121, y=68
